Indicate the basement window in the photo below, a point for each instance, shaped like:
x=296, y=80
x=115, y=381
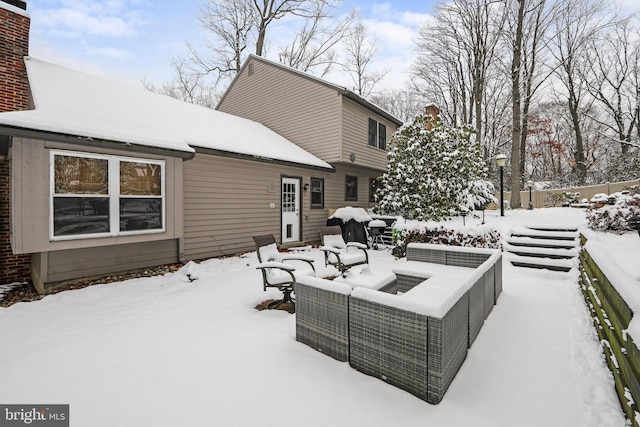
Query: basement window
x=103, y=196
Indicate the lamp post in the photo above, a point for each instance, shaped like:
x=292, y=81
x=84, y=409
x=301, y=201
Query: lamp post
x=530, y=186
x=501, y=160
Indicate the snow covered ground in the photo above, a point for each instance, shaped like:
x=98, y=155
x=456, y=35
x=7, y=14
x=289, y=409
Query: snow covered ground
x=167, y=351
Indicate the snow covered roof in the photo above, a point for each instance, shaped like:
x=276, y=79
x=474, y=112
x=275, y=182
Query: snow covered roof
x=73, y=103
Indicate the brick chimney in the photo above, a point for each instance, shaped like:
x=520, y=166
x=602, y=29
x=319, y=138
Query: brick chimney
x=14, y=96
x=14, y=46
x=431, y=111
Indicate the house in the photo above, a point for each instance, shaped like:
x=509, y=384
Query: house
x=326, y=120
x=105, y=178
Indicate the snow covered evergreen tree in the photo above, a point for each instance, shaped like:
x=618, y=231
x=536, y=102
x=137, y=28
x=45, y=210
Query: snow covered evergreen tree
x=433, y=172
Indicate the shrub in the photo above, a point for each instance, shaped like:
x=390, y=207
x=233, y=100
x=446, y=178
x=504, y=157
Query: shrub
x=614, y=217
x=433, y=172
x=476, y=237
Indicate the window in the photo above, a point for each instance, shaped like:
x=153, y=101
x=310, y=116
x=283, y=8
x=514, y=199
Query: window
x=377, y=134
x=373, y=185
x=317, y=192
x=373, y=133
x=351, y=188
x=382, y=136
x=100, y=196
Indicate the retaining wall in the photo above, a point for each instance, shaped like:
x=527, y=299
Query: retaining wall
x=611, y=317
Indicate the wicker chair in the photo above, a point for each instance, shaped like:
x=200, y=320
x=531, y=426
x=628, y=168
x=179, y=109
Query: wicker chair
x=275, y=272
x=337, y=252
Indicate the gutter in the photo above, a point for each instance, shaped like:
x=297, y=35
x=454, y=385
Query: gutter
x=251, y=157
x=92, y=142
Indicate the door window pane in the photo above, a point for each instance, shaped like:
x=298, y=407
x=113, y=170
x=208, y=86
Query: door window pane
x=288, y=197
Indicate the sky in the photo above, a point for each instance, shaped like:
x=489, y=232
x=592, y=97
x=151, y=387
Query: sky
x=131, y=40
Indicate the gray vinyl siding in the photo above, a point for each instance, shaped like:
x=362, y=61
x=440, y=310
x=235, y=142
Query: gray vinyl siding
x=335, y=188
x=355, y=124
x=301, y=110
x=85, y=262
x=227, y=201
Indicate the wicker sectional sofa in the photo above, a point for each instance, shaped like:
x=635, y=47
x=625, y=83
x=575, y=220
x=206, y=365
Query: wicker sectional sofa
x=414, y=334
x=322, y=311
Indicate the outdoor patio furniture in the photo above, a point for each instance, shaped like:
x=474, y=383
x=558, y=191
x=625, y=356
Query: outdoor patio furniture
x=376, y=230
x=340, y=254
x=352, y=221
x=275, y=272
x=412, y=328
x=322, y=310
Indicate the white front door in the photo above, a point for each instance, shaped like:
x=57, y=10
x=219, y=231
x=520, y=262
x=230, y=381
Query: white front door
x=290, y=210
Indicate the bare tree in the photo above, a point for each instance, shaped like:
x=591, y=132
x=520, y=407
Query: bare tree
x=314, y=45
x=230, y=24
x=456, y=58
x=188, y=85
x=613, y=80
x=403, y=104
x=576, y=25
x=269, y=11
x=236, y=27
x=525, y=32
x=360, y=50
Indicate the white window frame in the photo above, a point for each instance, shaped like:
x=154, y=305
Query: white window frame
x=113, y=194
x=378, y=134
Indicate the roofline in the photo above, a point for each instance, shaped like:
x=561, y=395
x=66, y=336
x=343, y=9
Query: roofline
x=340, y=89
x=251, y=157
x=20, y=132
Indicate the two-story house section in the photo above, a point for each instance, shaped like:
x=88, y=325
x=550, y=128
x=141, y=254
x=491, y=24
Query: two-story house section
x=325, y=119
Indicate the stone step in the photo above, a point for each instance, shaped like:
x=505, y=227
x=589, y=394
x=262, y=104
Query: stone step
x=543, y=252
x=546, y=247
x=553, y=228
x=542, y=234
x=563, y=265
x=542, y=243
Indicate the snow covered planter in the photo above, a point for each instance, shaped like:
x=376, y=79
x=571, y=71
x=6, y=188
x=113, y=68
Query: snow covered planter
x=423, y=232
x=614, y=217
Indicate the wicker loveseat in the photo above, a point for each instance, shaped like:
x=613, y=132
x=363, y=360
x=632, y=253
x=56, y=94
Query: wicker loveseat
x=416, y=338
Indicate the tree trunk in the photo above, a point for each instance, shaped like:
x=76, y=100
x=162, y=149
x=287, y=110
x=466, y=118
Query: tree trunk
x=261, y=37
x=516, y=63
x=581, y=167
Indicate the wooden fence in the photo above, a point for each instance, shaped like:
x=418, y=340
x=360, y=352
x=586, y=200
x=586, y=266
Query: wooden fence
x=543, y=198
